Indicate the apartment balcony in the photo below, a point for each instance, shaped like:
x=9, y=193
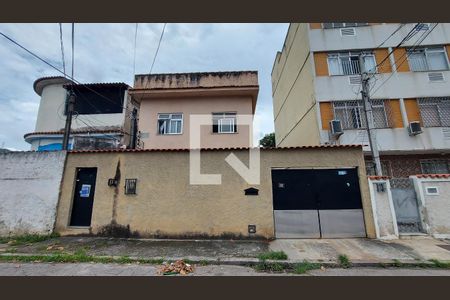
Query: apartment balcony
x=369, y=37
x=392, y=140
x=384, y=85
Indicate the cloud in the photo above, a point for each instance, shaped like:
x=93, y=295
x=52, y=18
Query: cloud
x=104, y=53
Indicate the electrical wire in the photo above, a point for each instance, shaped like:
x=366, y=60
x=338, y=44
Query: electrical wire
x=134, y=55
x=156, y=54
x=73, y=47
x=62, y=48
x=406, y=55
x=58, y=70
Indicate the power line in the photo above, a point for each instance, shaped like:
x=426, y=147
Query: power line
x=134, y=55
x=156, y=54
x=395, y=31
x=62, y=48
x=157, y=49
x=58, y=70
x=73, y=45
x=406, y=55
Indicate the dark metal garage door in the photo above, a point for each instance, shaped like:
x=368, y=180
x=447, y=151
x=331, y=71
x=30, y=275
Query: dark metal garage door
x=317, y=203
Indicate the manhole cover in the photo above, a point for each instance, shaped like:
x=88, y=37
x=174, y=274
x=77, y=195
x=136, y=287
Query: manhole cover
x=446, y=247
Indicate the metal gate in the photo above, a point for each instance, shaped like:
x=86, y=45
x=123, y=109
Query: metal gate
x=405, y=205
x=317, y=203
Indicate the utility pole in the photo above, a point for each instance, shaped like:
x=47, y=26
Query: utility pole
x=369, y=115
x=133, y=130
x=70, y=107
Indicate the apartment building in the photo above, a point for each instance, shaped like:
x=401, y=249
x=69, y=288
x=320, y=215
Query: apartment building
x=315, y=79
x=168, y=101
x=101, y=119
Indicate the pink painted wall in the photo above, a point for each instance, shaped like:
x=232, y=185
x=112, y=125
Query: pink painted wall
x=150, y=108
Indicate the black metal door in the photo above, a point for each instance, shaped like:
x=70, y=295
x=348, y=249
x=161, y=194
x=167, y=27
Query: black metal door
x=83, y=198
x=317, y=203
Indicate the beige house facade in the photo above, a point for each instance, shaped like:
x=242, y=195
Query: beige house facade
x=169, y=101
x=148, y=193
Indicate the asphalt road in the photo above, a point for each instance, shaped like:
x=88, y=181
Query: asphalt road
x=92, y=269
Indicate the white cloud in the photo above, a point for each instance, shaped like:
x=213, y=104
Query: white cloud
x=104, y=53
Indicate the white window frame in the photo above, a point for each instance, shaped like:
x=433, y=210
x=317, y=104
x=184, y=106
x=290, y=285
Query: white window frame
x=434, y=103
x=168, y=125
x=345, y=25
x=225, y=116
x=358, y=107
x=427, y=50
x=347, y=55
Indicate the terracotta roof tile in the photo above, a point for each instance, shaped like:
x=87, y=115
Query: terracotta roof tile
x=371, y=177
x=214, y=149
x=434, y=176
x=72, y=132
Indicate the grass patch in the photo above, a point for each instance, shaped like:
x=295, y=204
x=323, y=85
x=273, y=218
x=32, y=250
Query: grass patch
x=78, y=257
x=302, y=268
x=440, y=264
x=273, y=255
x=396, y=263
x=269, y=267
x=344, y=261
x=27, y=239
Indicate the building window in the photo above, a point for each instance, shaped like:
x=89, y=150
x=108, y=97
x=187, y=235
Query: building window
x=130, y=186
x=224, y=122
x=347, y=63
x=435, y=166
x=428, y=59
x=342, y=25
x=435, y=112
x=170, y=123
x=351, y=114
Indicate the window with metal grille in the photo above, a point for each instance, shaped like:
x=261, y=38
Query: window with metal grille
x=347, y=63
x=435, y=112
x=435, y=166
x=130, y=186
x=351, y=113
x=342, y=25
x=428, y=59
x=224, y=122
x=385, y=168
x=170, y=123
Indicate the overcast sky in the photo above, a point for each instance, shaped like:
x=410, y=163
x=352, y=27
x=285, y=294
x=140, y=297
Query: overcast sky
x=104, y=53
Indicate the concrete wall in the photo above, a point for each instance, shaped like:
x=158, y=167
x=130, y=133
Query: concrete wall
x=294, y=103
x=383, y=209
x=167, y=205
x=436, y=208
x=29, y=191
x=150, y=108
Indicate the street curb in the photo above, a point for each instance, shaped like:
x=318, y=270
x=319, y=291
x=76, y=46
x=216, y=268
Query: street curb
x=254, y=261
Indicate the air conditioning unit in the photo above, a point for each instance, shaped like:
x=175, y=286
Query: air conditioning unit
x=336, y=128
x=414, y=128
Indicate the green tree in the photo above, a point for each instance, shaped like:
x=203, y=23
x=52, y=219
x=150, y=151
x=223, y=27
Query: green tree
x=268, y=140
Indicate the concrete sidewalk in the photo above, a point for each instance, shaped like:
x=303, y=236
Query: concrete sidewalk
x=86, y=269
x=408, y=249
x=365, y=252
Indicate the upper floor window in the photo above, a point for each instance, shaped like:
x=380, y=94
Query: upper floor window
x=428, y=59
x=351, y=114
x=347, y=63
x=342, y=25
x=224, y=122
x=435, y=112
x=170, y=123
x=435, y=166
